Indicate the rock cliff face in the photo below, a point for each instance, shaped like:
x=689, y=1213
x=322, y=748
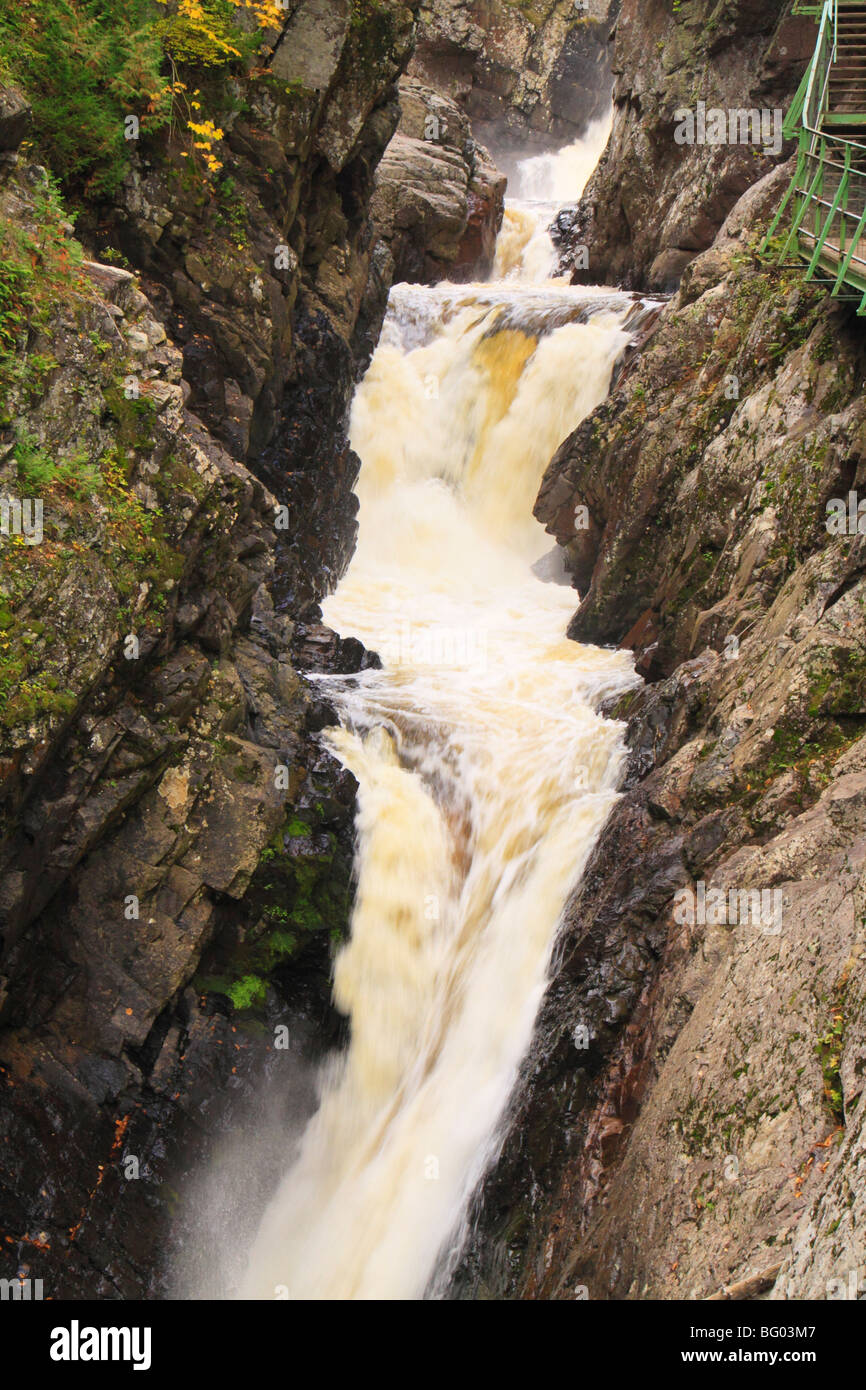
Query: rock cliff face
x=524, y=73
x=439, y=199
x=653, y=204
x=263, y=277
x=691, y=1116
x=176, y=846
x=176, y=849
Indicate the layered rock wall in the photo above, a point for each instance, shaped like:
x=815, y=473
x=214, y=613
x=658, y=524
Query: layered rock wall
x=690, y=1117
x=653, y=204
x=526, y=74
x=176, y=850
x=439, y=199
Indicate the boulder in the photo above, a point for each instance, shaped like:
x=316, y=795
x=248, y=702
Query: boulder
x=439, y=200
x=16, y=118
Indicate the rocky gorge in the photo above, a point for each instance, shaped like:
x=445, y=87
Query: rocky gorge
x=689, y=1119
x=183, y=327
x=158, y=874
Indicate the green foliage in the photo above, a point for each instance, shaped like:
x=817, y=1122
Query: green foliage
x=231, y=211
x=36, y=272
x=204, y=35
x=829, y=1051
x=248, y=992
x=19, y=310
x=16, y=302
x=38, y=472
x=85, y=65
x=88, y=65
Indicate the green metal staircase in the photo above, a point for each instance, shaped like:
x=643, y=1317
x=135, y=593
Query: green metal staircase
x=828, y=190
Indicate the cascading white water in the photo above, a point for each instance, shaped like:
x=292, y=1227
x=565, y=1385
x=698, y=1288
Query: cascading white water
x=485, y=776
x=559, y=177
x=543, y=183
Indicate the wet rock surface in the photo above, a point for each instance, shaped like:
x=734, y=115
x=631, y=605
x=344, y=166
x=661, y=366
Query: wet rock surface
x=261, y=277
x=656, y=200
x=176, y=840
x=439, y=199
x=690, y=1115
x=523, y=73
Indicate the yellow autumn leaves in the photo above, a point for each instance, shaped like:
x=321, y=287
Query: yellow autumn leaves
x=208, y=135
x=200, y=32
x=269, y=14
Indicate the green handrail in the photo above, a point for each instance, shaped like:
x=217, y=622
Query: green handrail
x=841, y=191
x=831, y=166
x=791, y=123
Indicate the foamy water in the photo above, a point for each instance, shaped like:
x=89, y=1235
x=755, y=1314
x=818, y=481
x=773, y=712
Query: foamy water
x=485, y=776
x=543, y=184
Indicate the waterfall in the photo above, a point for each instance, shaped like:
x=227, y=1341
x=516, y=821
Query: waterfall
x=542, y=183
x=485, y=775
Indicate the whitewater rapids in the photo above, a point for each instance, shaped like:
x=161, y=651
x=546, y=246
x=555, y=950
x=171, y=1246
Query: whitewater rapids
x=485, y=773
